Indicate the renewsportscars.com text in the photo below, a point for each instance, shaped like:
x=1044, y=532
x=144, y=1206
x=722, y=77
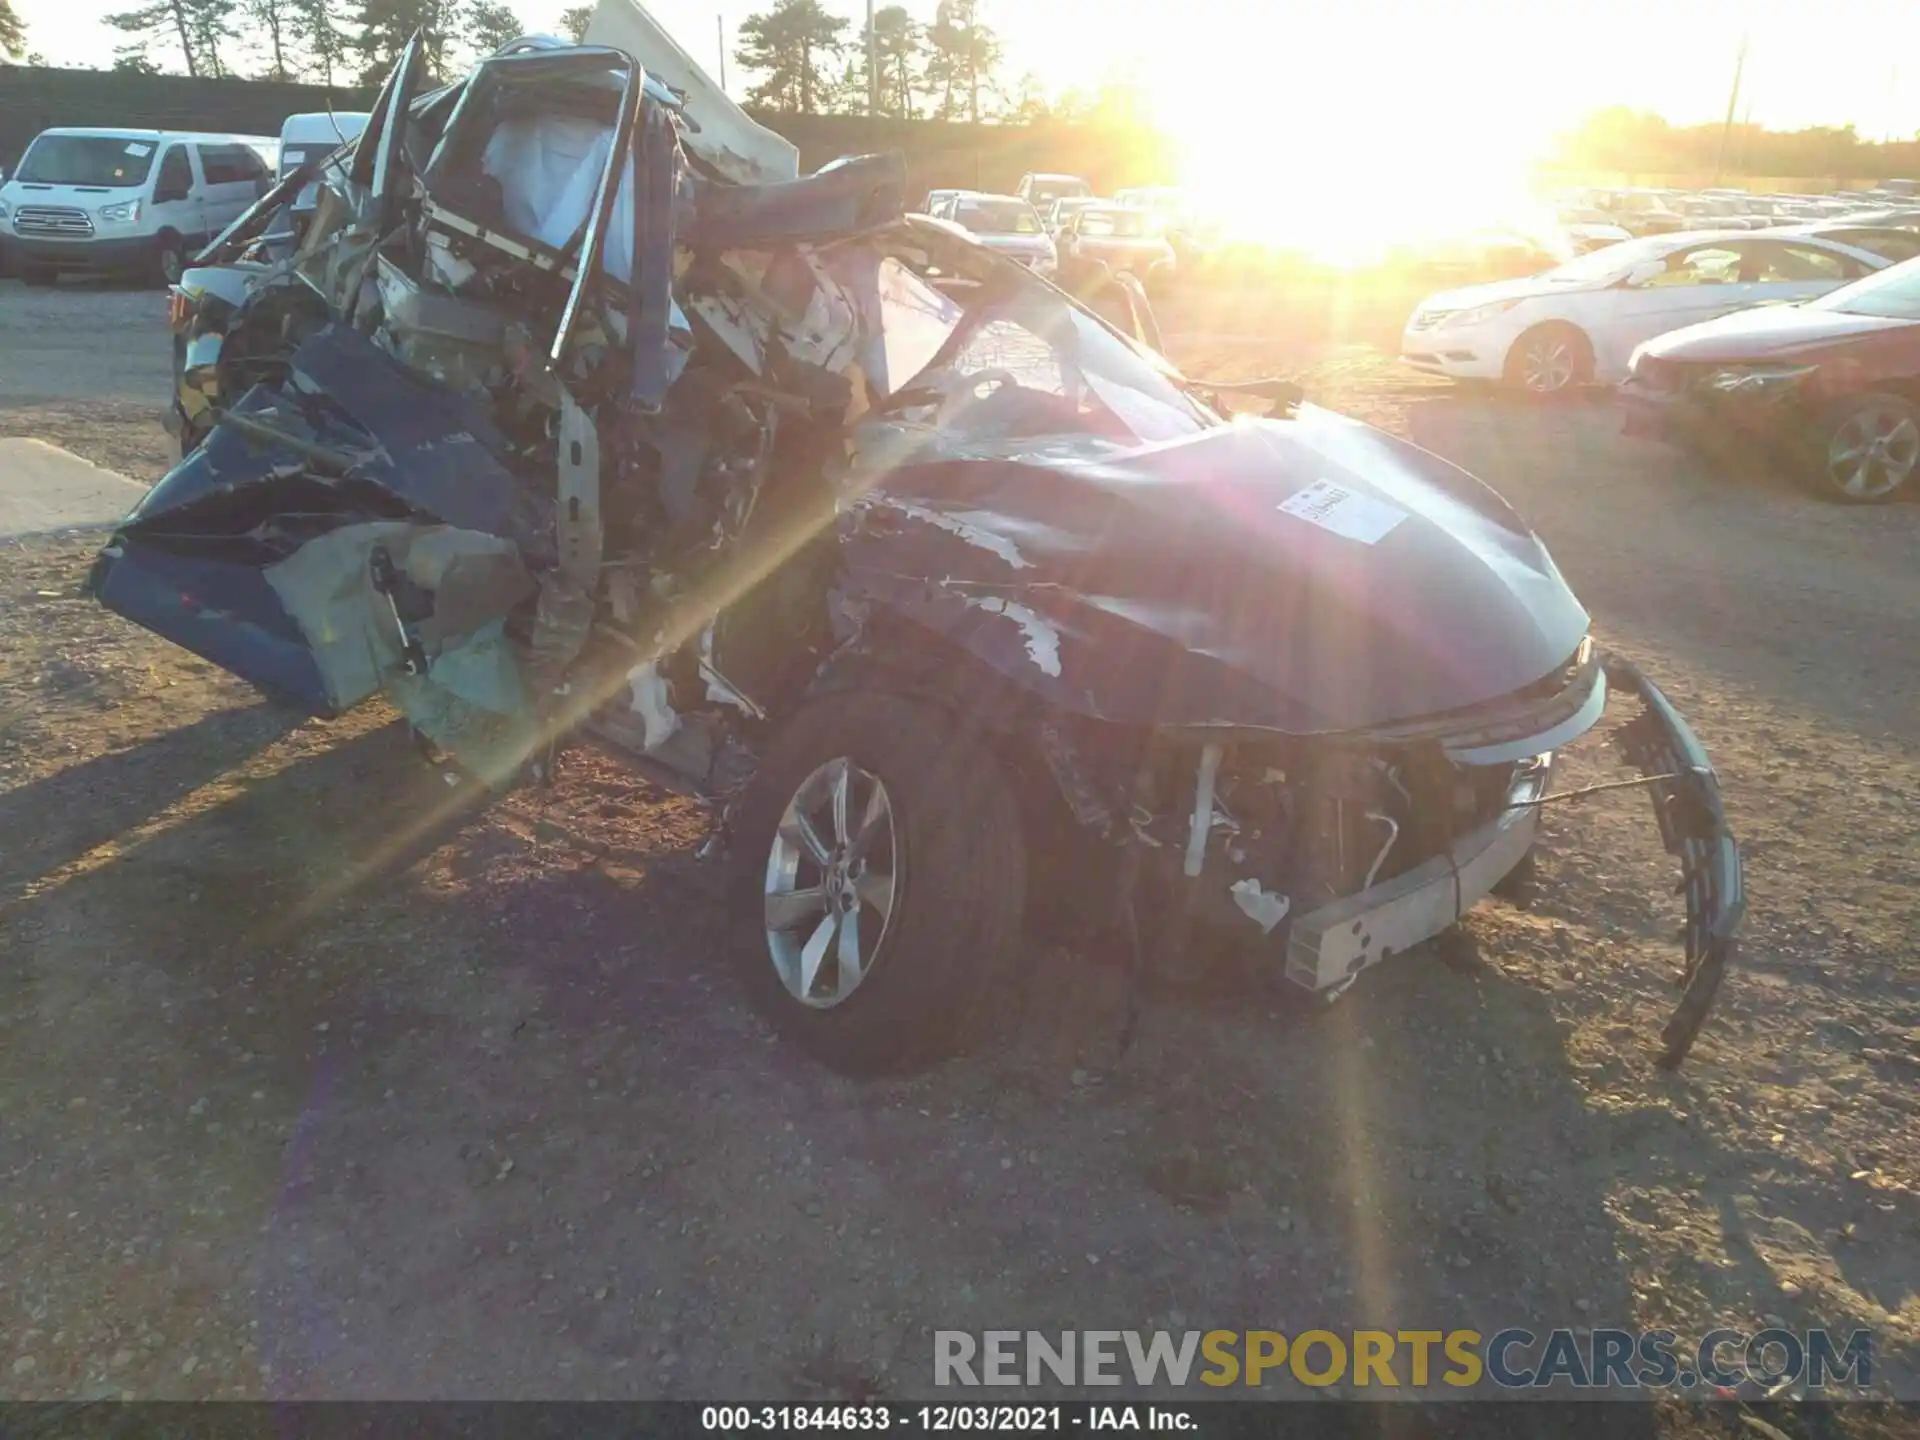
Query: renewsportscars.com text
x=1513, y=1358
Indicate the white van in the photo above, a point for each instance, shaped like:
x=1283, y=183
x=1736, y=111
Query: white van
x=123, y=201
x=313, y=134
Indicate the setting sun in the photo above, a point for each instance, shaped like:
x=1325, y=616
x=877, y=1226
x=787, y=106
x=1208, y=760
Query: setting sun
x=1319, y=147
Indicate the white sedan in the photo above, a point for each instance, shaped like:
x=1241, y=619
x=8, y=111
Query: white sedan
x=1577, y=324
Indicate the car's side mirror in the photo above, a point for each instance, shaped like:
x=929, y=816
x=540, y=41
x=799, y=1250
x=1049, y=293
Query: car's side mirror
x=1645, y=273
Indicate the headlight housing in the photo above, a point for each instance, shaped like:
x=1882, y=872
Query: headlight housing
x=1755, y=379
x=5, y=210
x=125, y=213
x=1476, y=314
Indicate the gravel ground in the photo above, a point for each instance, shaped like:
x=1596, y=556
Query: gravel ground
x=308, y=1088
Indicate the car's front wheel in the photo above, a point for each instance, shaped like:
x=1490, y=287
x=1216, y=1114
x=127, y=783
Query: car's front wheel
x=1868, y=450
x=170, y=258
x=882, y=852
x=1550, y=359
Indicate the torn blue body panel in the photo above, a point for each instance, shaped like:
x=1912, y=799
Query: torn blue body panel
x=223, y=612
x=355, y=439
x=436, y=450
x=849, y=197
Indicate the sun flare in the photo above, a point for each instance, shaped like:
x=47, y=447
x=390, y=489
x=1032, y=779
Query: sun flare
x=1331, y=155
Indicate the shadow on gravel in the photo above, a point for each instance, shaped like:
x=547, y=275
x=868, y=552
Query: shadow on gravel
x=55, y=820
x=535, y=1144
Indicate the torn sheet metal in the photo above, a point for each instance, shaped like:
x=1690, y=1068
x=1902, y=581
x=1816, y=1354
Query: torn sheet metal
x=1266, y=908
x=475, y=581
x=855, y=197
x=650, y=698
x=434, y=449
x=720, y=133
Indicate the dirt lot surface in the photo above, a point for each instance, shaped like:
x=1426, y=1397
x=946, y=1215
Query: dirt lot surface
x=307, y=1089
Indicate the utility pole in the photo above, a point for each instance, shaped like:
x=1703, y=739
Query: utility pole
x=1739, y=64
x=873, y=73
x=720, y=30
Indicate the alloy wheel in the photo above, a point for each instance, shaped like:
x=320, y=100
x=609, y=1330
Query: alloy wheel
x=1548, y=364
x=1873, y=451
x=832, y=879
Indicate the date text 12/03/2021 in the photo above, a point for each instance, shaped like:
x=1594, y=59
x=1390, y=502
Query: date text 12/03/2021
x=942, y=1419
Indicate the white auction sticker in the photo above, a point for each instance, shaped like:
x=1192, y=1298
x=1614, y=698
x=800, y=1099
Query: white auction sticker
x=1343, y=511
x=137, y=150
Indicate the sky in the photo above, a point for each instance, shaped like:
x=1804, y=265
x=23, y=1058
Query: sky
x=1269, y=75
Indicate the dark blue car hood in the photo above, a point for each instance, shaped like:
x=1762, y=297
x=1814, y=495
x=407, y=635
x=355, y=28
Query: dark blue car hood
x=1170, y=585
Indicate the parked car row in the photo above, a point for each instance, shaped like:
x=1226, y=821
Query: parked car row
x=1056, y=226
x=1802, y=341
x=1642, y=210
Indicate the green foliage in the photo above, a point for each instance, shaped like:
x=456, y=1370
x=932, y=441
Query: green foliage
x=199, y=27
x=453, y=33
x=1636, y=142
x=13, y=34
x=963, y=60
x=899, y=45
x=491, y=24
x=574, y=22
x=270, y=26
x=324, y=40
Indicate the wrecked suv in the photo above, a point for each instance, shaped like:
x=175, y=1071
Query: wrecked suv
x=579, y=413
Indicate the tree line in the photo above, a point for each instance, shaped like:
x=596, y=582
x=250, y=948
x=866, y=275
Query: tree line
x=311, y=40
x=813, y=62
x=1635, y=142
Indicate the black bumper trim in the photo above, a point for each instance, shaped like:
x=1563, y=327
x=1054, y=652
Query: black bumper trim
x=1693, y=827
x=93, y=256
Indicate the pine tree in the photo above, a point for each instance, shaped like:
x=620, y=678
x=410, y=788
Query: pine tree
x=148, y=23
x=793, y=44
x=965, y=53
x=387, y=25
x=899, y=46
x=274, y=19
x=199, y=27
x=13, y=34
x=326, y=43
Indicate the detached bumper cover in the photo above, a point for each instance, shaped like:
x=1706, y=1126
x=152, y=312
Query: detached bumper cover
x=1693, y=826
x=1329, y=946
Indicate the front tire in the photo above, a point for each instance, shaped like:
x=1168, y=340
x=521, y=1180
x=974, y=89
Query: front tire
x=1868, y=450
x=1550, y=360
x=170, y=260
x=881, y=853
